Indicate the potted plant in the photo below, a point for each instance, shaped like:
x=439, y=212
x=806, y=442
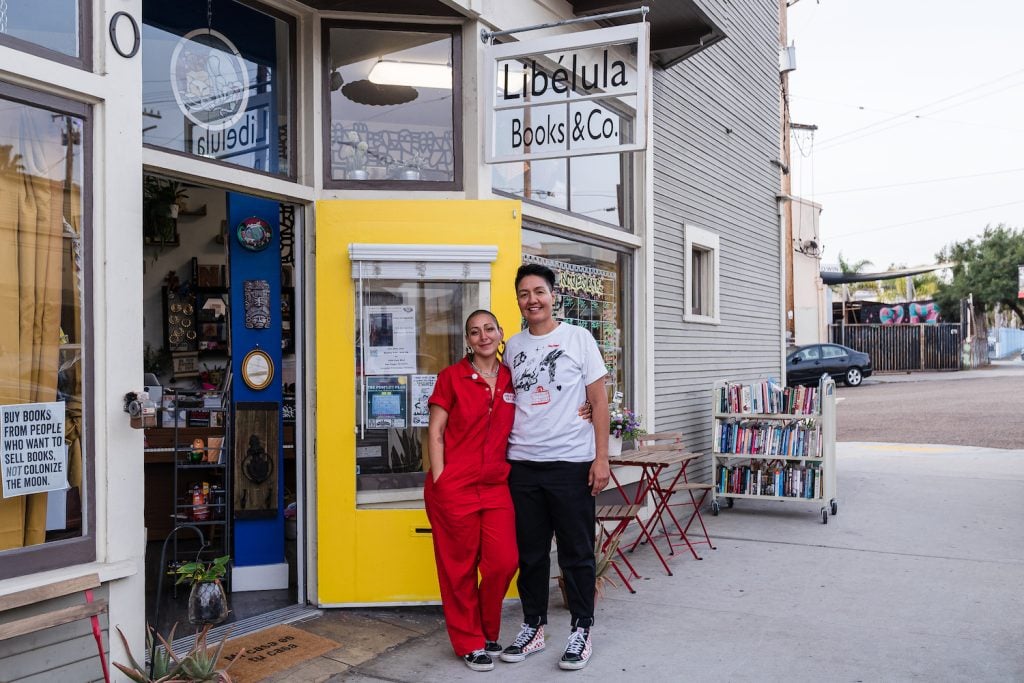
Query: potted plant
x=355, y=156
x=207, y=601
x=624, y=425
x=161, y=201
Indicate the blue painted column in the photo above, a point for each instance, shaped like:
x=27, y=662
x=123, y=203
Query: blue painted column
x=258, y=541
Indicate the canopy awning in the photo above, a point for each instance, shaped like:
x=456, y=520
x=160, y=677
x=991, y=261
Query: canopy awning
x=679, y=28
x=838, y=278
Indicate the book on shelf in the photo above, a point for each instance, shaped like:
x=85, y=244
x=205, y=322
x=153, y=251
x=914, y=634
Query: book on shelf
x=767, y=397
x=758, y=479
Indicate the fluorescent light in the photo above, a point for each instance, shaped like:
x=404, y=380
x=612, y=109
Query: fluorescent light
x=416, y=74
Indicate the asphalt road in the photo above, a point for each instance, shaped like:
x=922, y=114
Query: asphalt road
x=982, y=407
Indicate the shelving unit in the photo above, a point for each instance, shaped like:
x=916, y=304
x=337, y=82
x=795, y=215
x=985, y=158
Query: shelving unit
x=774, y=443
x=196, y=446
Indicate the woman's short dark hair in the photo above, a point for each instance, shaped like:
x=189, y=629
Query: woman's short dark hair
x=528, y=269
x=480, y=311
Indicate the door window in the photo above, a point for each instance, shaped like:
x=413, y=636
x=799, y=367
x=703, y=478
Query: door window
x=830, y=352
x=407, y=331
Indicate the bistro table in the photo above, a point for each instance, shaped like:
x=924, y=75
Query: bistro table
x=655, y=460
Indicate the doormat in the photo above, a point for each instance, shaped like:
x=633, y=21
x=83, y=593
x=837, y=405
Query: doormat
x=271, y=651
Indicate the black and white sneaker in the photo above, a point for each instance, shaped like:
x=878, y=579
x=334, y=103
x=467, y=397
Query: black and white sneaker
x=577, y=650
x=478, y=660
x=529, y=641
x=492, y=648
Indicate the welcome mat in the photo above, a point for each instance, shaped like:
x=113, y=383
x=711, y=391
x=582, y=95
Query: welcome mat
x=271, y=651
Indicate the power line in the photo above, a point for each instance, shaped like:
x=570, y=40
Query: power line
x=932, y=218
x=841, y=136
x=921, y=182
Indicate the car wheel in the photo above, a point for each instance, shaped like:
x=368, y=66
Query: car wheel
x=853, y=377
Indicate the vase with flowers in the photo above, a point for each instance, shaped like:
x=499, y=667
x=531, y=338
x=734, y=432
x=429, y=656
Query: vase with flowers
x=624, y=425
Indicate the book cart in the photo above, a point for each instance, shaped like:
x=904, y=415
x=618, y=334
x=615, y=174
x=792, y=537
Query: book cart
x=775, y=443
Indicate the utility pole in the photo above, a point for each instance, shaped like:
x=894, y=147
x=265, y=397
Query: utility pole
x=787, y=181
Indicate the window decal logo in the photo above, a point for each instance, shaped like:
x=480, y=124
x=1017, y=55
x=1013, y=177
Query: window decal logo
x=209, y=79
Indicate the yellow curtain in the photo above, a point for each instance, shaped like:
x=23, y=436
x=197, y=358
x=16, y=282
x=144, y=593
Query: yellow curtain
x=31, y=285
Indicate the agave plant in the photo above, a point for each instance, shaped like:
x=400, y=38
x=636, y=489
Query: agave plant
x=161, y=671
x=200, y=664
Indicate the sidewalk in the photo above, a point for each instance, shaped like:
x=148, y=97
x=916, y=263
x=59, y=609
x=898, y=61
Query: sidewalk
x=918, y=576
x=997, y=368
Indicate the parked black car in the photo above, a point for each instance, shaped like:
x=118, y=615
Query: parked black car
x=806, y=364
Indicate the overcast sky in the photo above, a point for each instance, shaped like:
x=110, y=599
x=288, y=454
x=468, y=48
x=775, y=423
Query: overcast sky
x=920, y=112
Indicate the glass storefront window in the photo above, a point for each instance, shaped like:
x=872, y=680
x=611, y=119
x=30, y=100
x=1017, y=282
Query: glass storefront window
x=392, y=96
x=54, y=25
x=218, y=83
x=591, y=292
x=596, y=187
x=44, y=151
x=412, y=330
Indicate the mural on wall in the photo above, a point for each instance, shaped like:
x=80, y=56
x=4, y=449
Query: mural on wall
x=912, y=313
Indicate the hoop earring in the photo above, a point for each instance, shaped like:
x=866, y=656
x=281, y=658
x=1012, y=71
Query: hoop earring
x=469, y=353
x=501, y=349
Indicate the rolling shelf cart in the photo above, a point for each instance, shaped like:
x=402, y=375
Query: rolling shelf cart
x=771, y=443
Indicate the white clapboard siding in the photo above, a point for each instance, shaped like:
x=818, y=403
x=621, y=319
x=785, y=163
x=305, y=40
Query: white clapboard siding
x=62, y=653
x=716, y=132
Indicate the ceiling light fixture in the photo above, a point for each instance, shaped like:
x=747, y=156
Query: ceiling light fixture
x=415, y=74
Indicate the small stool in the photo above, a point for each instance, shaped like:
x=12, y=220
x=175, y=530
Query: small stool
x=607, y=543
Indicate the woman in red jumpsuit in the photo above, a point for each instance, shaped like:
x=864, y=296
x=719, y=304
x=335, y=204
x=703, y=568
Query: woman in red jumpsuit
x=466, y=495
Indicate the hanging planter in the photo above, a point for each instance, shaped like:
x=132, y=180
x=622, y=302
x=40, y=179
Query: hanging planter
x=207, y=603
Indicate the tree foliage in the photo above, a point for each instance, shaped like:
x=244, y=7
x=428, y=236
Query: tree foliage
x=986, y=268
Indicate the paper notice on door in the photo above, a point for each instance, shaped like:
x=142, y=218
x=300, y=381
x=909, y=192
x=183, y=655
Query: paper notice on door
x=391, y=340
x=422, y=388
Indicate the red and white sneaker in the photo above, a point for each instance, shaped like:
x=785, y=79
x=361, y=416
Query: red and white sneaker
x=529, y=641
x=577, y=650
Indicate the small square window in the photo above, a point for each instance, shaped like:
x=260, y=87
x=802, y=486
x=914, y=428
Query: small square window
x=701, y=282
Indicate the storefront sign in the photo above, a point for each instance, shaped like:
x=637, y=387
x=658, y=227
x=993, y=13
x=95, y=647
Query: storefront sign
x=565, y=96
x=386, y=402
x=390, y=340
x=209, y=79
x=33, y=449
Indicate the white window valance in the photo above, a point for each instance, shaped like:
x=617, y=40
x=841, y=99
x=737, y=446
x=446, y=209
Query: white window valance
x=449, y=262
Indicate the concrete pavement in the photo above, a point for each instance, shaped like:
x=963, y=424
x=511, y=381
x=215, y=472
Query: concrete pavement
x=918, y=577
x=1013, y=367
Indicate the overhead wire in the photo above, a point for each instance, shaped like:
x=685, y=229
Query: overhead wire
x=931, y=218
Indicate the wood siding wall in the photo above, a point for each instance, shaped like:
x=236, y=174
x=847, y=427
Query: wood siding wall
x=61, y=653
x=716, y=133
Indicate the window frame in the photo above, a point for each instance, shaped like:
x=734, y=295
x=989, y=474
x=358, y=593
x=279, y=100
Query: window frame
x=73, y=551
x=695, y=238
x=455, y=32
x=630, y=324
x=292, y=174
x=83, y=61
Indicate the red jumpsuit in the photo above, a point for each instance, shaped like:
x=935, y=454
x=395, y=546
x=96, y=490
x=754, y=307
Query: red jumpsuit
x=470, y=508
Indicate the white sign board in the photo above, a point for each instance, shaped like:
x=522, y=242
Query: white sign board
x=422, y=389
x=568, y=95
x=32, y=448
x=390, y=340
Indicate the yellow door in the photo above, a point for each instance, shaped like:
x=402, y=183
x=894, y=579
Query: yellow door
x=388, y=318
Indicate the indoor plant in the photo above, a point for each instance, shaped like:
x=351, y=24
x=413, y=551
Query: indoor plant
x=161, y=201
x=624, y=425
x=207, y=602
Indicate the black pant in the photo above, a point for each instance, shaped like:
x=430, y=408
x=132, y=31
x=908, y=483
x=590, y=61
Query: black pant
x=554, y=498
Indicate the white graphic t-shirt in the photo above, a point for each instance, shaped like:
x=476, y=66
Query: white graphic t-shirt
x=551, y=373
